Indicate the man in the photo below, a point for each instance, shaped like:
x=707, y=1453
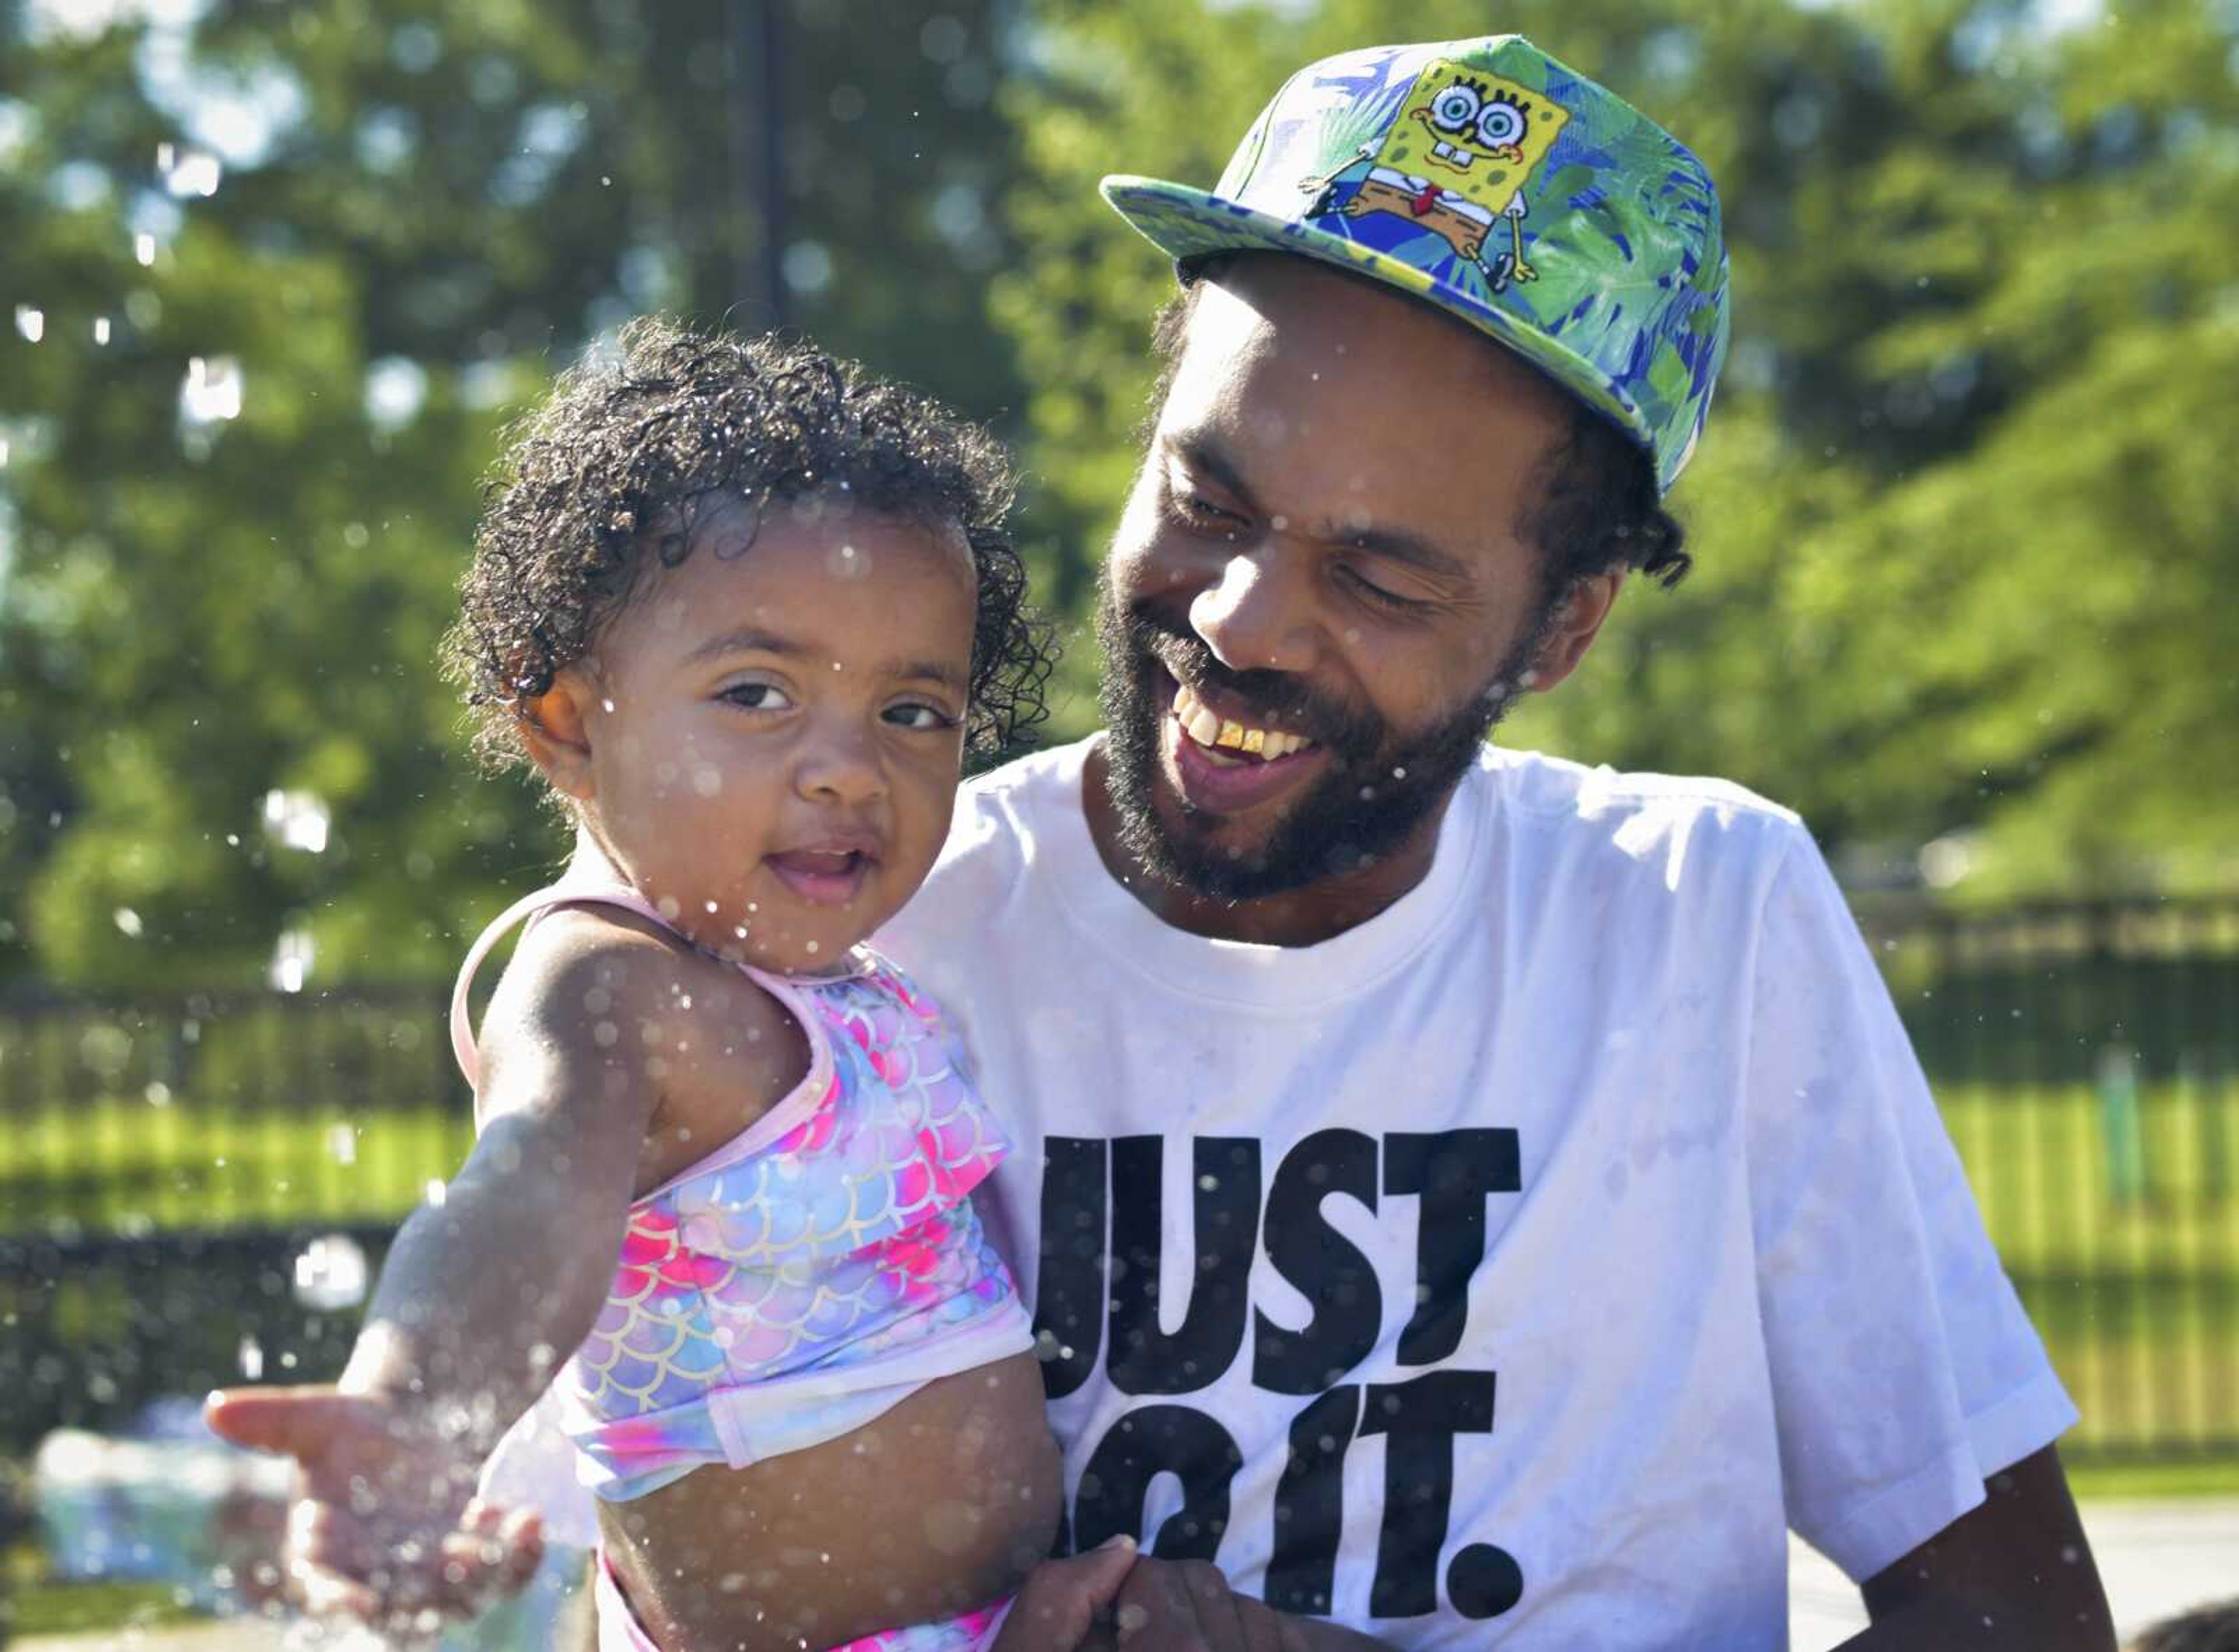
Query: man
x=1468, y=1199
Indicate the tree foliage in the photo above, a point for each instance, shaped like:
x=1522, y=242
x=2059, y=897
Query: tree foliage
x=422, y=212
x=1963, y=517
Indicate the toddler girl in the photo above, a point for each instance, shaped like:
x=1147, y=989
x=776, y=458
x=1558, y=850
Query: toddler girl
x=743, y=608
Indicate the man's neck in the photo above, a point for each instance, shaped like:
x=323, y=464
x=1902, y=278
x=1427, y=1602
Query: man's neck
x=1302, y=917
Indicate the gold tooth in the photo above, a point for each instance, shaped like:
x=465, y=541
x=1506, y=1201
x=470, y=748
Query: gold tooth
x=1230, y=736
x=1255, y=740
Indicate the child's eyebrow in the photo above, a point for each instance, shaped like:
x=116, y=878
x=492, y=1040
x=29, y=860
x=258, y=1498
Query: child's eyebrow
x=786, y=648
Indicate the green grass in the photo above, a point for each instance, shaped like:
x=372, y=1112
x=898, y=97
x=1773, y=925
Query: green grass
x=36, y=1605
x=122, y=1166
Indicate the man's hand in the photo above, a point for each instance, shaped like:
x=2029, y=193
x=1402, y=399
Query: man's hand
x=1155, y=1606
x=383, y=1527
x=1065, y=1605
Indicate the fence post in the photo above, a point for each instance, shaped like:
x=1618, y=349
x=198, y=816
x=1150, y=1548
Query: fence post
x=2207, y=1089
x=2118, y=1124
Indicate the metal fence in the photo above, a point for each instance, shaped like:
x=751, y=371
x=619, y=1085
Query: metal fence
x=165, y=1168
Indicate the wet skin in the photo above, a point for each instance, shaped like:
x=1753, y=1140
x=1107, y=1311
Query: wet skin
x=1336, y=497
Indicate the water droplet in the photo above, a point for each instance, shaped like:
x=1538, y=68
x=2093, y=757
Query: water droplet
x=331, y=1272
x=341, y=1143
x=252, y=1359
x=436, y=1192
x=31, y=322
x=143, y=249
x=292, y=955
x=127, y=921
x=211, y=391
x=101, y=329
x=195, y=172
x=299, y=819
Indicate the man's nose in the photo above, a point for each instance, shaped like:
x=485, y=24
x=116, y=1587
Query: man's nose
x=840, y=764
x=1257, y=615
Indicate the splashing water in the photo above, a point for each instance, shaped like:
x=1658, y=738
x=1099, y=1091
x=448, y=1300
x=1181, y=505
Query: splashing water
x=195, y=172
x=331, y=1273
x=299, y=819
x=211, y=391
x=292, y=955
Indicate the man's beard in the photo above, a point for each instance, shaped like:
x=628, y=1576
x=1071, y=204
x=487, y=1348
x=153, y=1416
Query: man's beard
x=1375, y=794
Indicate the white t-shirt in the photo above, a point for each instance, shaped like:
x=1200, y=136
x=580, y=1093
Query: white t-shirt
x=1513, y=1268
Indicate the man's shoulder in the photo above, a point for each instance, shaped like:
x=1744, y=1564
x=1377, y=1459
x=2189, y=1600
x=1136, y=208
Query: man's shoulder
x=1643, y=817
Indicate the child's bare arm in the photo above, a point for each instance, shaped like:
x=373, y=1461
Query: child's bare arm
x=482, y=1295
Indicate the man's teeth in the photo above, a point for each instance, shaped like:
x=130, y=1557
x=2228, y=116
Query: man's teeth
x=1203, y=725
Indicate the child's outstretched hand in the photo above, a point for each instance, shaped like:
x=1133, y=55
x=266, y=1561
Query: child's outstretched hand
x=385, y=1526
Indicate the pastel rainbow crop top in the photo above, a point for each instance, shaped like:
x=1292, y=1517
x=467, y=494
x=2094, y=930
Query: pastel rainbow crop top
x=812, y=1272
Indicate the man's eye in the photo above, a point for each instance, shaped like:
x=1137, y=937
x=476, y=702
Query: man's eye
x=1197, y=508
x=919, y=718
x=1366, y=588
x=755, y=696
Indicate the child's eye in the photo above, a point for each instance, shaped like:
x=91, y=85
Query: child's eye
x=919, y=717
x=755, y=696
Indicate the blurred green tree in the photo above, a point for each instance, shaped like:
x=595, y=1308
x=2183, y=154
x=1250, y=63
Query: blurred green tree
x=276, y=276
x=1963, y=516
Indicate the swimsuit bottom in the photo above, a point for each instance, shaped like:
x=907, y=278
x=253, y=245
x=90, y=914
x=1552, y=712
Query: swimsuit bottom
x=975, y=1631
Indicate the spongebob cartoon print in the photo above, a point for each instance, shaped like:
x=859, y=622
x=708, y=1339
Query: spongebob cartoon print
x=1454, y=163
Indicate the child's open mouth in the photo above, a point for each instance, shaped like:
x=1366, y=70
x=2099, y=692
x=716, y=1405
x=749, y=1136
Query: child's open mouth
x=824, y=876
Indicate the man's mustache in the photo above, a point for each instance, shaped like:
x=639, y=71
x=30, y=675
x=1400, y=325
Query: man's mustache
x=1277, y=697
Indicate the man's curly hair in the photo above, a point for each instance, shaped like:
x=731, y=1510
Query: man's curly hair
x=602, y=485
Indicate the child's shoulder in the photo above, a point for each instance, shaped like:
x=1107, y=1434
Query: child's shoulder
x=600, y=985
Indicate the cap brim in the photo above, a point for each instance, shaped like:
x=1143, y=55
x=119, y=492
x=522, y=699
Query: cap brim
x=1188, y=224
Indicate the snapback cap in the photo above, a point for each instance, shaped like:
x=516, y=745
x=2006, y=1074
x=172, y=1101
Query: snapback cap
x=1485, y=177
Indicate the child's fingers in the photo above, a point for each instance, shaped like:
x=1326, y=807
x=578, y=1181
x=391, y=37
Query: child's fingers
x=325, y=1593
x=299, y=1422
x=521, y=1537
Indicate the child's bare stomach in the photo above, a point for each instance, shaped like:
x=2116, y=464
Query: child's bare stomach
x=938, y=1506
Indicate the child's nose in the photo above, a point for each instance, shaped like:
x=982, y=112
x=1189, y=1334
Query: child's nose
x=841, y=767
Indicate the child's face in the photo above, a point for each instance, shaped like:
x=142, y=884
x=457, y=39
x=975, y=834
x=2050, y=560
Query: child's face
x=769, y=737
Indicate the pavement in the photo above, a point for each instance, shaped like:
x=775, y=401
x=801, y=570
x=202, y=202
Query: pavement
x=2156, y=1558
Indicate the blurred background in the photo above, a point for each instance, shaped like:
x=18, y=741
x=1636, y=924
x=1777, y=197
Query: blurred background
x=273, y=277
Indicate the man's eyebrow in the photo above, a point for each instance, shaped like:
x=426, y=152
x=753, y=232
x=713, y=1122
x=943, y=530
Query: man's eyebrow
x=786, y=648
x=1202, y=452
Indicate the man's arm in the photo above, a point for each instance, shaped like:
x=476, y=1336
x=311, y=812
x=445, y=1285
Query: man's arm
x=2015, y=1572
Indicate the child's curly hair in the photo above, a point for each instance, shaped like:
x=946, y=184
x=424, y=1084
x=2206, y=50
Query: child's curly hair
x=602, y=482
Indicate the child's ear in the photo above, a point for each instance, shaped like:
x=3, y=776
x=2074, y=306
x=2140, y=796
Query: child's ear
x=556, y=729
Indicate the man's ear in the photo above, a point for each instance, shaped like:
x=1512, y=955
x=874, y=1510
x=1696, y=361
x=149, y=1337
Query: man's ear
x=555, y=728
x=1578, y=621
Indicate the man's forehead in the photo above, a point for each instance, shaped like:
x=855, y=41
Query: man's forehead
x=1277, y=317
